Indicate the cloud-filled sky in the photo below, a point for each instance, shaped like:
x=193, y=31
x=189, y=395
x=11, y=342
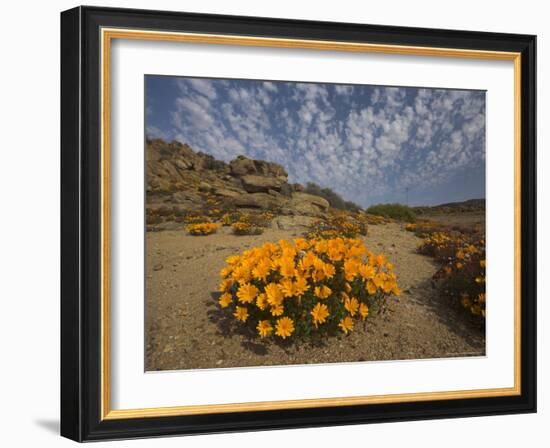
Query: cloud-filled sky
x=370, y=144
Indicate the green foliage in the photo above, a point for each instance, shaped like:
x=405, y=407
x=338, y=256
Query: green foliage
x=395, y=211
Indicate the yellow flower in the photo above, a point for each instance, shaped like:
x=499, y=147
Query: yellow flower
x=371, y=287
x=300, y=286
x=261, y=301
x=357, y=250
x=285, y=327
x=232, y=260
x=277, y=310
x=347, y=287
x=351, y=268
x=319, y=313
x=204, y=228
x=301, y=271
x=321, y=246
x=261, y=271
x=366, y=271
x=322, y=292
x=352, y=305
x=274, y=294
x=329, y=270
x=379, y=279
x=388, y=285
x=247, y=293
x=225, y=300
x=287, y=287
x=225, y=272
x=301, y=243
x=226, y=285
x=241, y=313
x=308, y=260
x=334, y=254
x=482, y=263
x=287, y=249
x=287, y=267
x=346, y=324
x=264, y=328
x=242, y=273
x=318, y=276
x=363, y=311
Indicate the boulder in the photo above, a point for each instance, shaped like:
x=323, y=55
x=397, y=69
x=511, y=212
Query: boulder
x=297, y=222
x=185, y=197
x=227, y=193
x=182, y=164
x=170, y=168
x=158, y=184
x=205, y=187
x=262, y=201
x=286, y=189
x=256, y=184
x=242, y=166
x=306, y=204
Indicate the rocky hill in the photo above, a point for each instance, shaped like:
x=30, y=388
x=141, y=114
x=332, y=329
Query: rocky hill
x=181, y=182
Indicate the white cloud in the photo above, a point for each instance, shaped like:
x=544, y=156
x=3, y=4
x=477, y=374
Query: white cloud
x=204, y=87
x=154, y=132
x=270, y=86
x=360, y=141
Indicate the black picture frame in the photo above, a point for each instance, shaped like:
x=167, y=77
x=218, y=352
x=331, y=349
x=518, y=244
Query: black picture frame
x=81, y=226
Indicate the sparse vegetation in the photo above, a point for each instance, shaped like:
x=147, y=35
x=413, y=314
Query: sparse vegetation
x=339, y=224
x=245, y=228
x=203, y=228
x=399, y=212
x=461, y=255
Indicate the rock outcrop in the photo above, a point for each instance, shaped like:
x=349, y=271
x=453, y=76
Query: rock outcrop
x=179, y=177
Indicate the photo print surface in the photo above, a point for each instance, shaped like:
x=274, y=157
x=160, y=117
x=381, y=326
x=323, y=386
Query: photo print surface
x=308, y=223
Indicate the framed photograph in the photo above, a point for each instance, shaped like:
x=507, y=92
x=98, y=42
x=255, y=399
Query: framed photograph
x=273, y=223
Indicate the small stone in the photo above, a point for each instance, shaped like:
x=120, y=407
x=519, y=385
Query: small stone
x=219, y=362
x=158, y=267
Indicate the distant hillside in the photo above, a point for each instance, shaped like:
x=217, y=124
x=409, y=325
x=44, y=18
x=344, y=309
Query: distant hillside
x=471, y=205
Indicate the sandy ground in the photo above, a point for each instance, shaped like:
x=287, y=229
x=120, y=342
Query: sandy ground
x=475, y=219
x=186, y=330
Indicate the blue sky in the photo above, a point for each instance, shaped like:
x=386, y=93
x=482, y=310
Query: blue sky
x=370, y=144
